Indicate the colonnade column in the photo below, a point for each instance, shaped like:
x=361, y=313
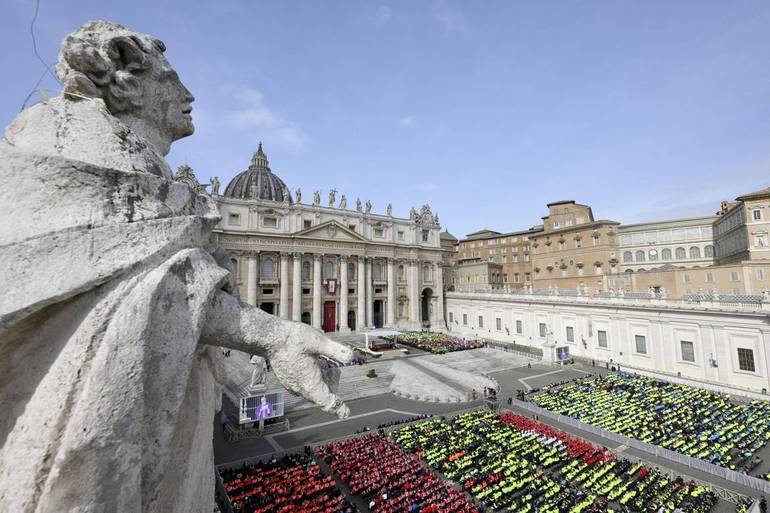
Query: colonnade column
x=344, y=294
x=438, y=279
x=284, y=306
x=296, y=288
x=361, y=281
x=251, y=283
x=414, y=294
x=391, y=293
x=369, y=298
x=317, y=291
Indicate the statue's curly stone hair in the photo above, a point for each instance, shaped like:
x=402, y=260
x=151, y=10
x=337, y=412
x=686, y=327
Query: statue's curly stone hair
x=101, y=59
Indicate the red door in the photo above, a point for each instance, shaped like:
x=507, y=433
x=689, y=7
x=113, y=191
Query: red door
x=330, y=316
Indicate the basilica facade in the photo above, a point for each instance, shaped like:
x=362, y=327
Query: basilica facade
x=337, y=268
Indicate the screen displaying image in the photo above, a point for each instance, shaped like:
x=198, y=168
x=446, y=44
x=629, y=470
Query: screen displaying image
x=262, y=407
x=562, y=353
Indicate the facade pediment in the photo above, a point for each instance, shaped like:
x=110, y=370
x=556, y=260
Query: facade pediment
x=331, y=230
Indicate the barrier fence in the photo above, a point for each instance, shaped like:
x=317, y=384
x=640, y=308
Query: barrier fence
x=715, y=470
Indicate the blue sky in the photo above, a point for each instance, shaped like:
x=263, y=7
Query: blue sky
x=485, y=110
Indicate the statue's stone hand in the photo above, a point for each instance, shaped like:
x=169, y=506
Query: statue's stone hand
x=292, y=348
x=295, y=363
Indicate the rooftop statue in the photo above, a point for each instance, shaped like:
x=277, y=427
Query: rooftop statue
x=114, y=297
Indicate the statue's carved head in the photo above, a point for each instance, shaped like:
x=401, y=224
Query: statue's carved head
x=129, y=72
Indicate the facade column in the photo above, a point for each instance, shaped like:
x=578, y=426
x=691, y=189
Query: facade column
x=414, y=294
x=344, y=294
x=361, y=281
x=284, y=286
x=391, y=293
x=438, y=280
x=369, y=295
x=296, y=288
x=317, y=291
x=251, y=280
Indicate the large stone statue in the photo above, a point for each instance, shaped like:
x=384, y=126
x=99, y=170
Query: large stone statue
x=358, y=205
x=332, y=196
x=368, y=206
x=317, y=198
x=215, y=186
x=114, y=297
x=259, y=375
x=298, y=195
x=343, y=202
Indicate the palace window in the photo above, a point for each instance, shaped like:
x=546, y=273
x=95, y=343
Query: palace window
x=268, y=268
x=499, y=324
x=601, y=337
x=481, y=321
x=401, y=273
x=451, y=317
x=681, y=254
x=400, y=235
x=306, y=271
x=640, y=256
x=709, y=277
x=541, y=327
x=427, y=275
x=307, y=223
x=688, y=351
x=734, y=276
x=519, y=327
x=425, y=235
x=465, y=319
x=379, y=232
x=695, y=252
x=665, y=254
x=351, y=272
x=759, y=241
x=628, y=256
x=570, y=334
x=641, y=344
x=269, y=222
x=756, y=214
x=377, y=272
x=328, y=269
x=708, y=251
x=234, y=219
x=746, y=359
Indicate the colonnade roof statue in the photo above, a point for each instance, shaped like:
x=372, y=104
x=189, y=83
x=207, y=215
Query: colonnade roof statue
x=115, y=298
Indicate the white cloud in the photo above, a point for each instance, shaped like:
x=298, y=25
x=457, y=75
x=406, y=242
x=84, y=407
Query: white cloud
x=268, y=126
x=451, y=19
x=407, y=121
x=383, y=14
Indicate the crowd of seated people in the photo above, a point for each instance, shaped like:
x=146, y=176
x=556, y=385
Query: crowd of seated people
x=390, y=479
x=689, y=420
x=392, y=423
x=513, y=463
x=437, y=343
x=293, y=484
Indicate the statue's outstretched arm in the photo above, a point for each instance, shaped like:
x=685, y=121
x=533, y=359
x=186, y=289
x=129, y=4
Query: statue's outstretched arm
x=293, y=348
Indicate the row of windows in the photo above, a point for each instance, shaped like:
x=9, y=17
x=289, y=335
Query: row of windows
x=268, y=270
x=665, y=254
x=687, y=347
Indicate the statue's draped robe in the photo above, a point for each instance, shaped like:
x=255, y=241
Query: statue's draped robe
x=107, y=396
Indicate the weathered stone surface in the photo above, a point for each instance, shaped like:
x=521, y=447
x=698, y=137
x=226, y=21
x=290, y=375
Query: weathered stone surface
x=113, y=296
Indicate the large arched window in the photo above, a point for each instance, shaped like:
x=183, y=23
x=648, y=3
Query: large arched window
x=628, y=256
x=306, y=271
x=426, y=273
x=351, y=272
x=709, y=251
x=401, y=273
x=695, y=252
x=268, y=268
x=665, y=254
x=328, y=269
x=640, y=256
x=681, y=254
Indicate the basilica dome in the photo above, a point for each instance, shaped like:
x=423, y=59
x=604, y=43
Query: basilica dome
x=257, y=182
